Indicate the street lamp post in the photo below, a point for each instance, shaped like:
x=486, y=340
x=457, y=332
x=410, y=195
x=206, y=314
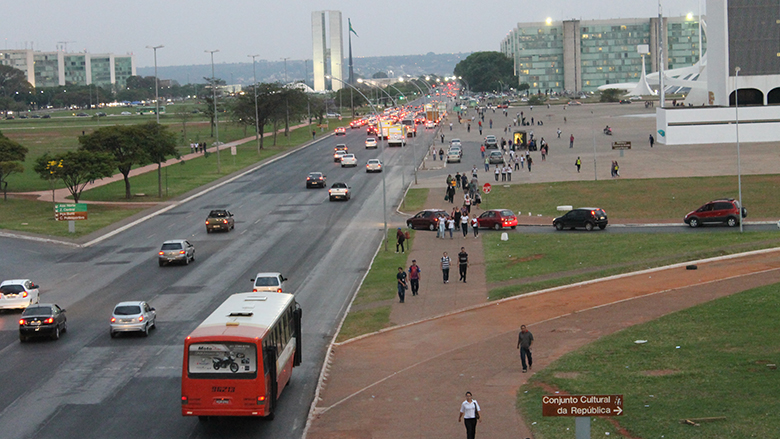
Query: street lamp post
x=156, y=86
x=214, y=96
x=384, y=185
x=739, y=162
x=257, y=122
x=286, y=105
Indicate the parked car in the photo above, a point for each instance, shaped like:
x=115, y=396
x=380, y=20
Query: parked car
x=587, y=217
x=220, y=220
x=371, y=143
x=725, y=211
x=348, y=160
x=132, y=317
x=176, y=250
x=339, y=190
x=269, y=282
x=18, y=294
x=374, y=165
x=625, y=101
x=42, y=320
x=46, y=116
x=496, y=158
x=82, y=115
x=341, y=131
x=497, y=219
x=315, y=179
x=426, y=219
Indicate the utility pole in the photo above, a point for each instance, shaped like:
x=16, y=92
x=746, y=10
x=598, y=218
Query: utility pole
x=257, y=121
x=214, y=96
x=286, y=104
x=156, y=85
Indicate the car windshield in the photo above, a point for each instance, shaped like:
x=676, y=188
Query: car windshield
x=266, y=281
x=37, y=311
x=11, y=289
x=171, y=246
x=339, y=185
x=349, y=156
x=315, y=175
x=218, y=214
x=127, y=310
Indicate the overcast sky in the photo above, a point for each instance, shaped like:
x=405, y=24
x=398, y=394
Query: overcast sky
x=282, y=28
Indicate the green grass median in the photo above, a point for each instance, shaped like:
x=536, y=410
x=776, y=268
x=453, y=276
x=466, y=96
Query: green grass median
x=707, y=361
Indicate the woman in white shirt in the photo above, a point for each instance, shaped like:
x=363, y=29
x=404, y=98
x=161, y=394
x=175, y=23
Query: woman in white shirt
x=470, y=414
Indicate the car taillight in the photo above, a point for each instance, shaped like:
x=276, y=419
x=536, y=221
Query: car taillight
x=207, y=222
x=278, y=290
x=22, y=322
x=113, y=319
x=308, y=178
x=161, y=253
x=49, y=320
x=24, y=294
x=140, y=318
x=254, y=290
x=184, y=400
x=181, y=252
x=224, y=221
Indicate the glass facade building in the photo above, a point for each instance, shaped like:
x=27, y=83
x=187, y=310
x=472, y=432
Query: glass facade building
x=51, y=69
x=579, y=55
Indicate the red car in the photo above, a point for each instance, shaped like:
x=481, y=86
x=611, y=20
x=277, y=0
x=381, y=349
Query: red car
x=497, y=219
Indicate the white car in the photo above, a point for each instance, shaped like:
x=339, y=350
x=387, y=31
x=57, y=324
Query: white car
x=371, y=142
x=454, y=142
x=374, y=165
x=268, y=282
x=457, y=149
x=453, y=156
x=18, y=294
x=348, y=160
x=126, y=113
x=430, y=125
x=132, y=317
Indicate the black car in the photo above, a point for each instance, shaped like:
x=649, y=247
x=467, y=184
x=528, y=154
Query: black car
x=315, y=179
x=42, y=320
x=587, y=217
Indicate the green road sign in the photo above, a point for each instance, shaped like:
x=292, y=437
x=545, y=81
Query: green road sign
x=65, y=208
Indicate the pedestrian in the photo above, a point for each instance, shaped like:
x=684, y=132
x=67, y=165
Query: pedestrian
x=442, y=138
x=441, y=151
x=464, y=183
x=617, y=169
x=532, y=121
x=612, y=169
x=399, y=240
x=468, y=127
x=473, y=171
x=451, y=225
x=445, y=268
x=470, y=414
x=313, y=134
x=487, y=164
x=564, y=117
x=571, y=141
x=516, y=161
x=578, y=164
x=433, y=152
x=509, y=172
x=482, y=150
x=401, y=281
x=463, y=263
x=450, y=126
x=467, y=202
x=464, y=224
x=530, y=161
x=451, y=193
x=456, y=216
x=652, y=140
x=497, y=172
x=559, y=133
x=475, y=226
x=491, y=124
x=524, y=341
x=480, y=130
x=457, y=179
x=441, y=226
x=414, y=277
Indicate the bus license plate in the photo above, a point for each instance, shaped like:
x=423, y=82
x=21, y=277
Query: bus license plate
x=222, y=401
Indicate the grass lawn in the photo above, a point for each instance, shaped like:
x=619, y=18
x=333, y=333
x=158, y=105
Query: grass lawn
x=415, y=199
x=640, y=199
x=379, y=286
x=529, y=262
x=38, y=217
x=719, y=369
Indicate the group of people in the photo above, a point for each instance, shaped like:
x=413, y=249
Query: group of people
x=198, y=147
x=411, y=276
x=458, y=220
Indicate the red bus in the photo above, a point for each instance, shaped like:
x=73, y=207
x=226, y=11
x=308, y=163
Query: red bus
x=238, y=361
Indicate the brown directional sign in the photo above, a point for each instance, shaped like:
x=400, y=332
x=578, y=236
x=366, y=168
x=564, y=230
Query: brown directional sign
x=70, y=216
x=621, y=145
x=582, y=405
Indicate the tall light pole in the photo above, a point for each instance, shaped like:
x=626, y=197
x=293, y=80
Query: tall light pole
x=286, y=105
x=739, y=162
x=156, y=86
x=214, y=91
x=257, y=122
x=382, y=154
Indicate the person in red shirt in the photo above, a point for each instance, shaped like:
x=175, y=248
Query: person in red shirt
x=414, y=277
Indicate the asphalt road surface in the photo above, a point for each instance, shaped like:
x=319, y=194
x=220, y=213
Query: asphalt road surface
x=89, y=385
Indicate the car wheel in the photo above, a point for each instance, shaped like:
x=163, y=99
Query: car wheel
x=731, y=221
x=589, y=226
x=208, y=230
x=22, y=338
x=331, y=198
x=146, y=331
x=431, y=227
x=497, y=227
x=193, y=257
x=693, y=222
x=56, y=335
x=154, y=323
x=65, y=327
x=514, y=227
x=186, y=260
x=112, y=334
x=602, y=226
x=558, y=226
x=409, y=226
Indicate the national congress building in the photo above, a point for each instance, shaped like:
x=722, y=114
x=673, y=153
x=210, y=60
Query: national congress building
x=52, y=69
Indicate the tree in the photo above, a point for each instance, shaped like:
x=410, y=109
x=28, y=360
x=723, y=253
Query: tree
x=122, y=143
x=610, y=95
x=159, y=144
x=75, y=168
x=270, y=104
x=379, y=75
x=485, y=71
x=12, y=153
x=14, y=89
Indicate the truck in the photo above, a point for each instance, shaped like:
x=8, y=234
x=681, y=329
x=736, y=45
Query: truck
x=411, y=130
x=432, y=112
x=396, y=135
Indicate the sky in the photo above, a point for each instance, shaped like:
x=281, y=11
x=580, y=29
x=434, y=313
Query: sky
x=282, y=28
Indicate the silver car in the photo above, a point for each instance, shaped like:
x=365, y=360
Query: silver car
x=133, y=317
x=176, y=250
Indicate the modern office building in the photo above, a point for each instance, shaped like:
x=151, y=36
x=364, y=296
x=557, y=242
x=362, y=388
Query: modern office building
x=327, y=61
x=580, y=55
x=52, y=69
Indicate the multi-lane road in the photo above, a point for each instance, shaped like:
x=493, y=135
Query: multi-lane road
x=89, y=385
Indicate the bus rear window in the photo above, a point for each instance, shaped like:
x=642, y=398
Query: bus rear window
x=222, y=360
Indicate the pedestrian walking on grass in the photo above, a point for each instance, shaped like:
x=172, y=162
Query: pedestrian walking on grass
x=414, y=277
x=463, y=263
x=578, y=164
x=470, y=414
x=400, y=237
x=445, y=268
x=524, y=341
x=401, y=281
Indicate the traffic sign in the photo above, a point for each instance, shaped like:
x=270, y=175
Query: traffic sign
x=582, y=405
x=70, y=216
x=621, y=145
x=486, y=188
x=70, y=207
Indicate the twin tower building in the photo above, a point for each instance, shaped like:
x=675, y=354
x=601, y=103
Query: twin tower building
x=327, y=62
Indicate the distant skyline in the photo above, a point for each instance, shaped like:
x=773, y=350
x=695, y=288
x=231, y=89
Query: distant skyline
x=276, y=30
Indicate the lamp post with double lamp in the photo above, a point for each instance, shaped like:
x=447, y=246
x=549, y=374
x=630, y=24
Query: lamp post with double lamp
x=382, y=154
x=739, y=162
x=254, y=86
x=156, y=86
x=214, y=96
